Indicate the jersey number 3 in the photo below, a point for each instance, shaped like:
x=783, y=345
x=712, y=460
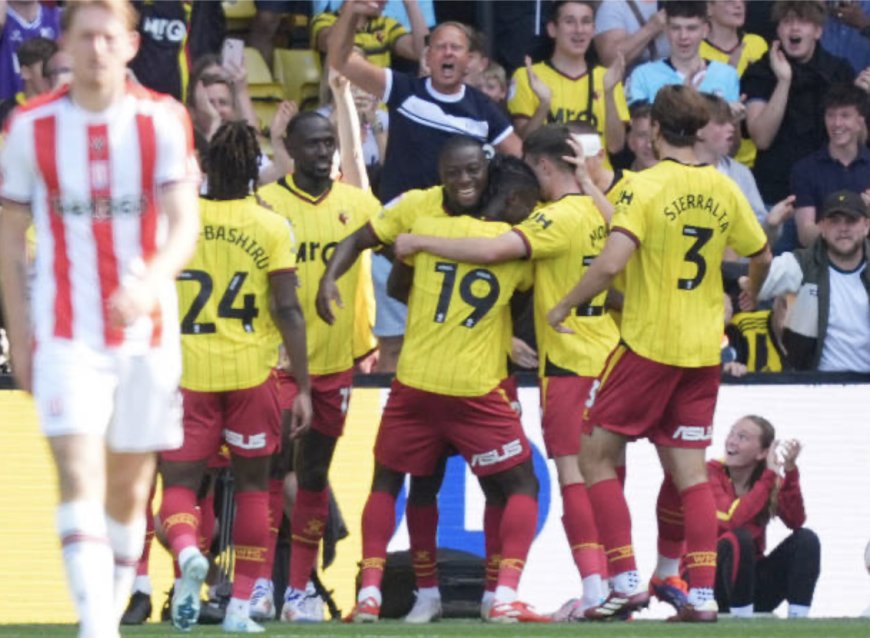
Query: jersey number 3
x=481, y=304
x=226, y=308
x=702, y=236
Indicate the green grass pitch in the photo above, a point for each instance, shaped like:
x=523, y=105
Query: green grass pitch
x=757, y=628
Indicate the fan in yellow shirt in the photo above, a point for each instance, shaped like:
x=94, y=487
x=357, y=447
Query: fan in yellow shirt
x=669, y=233
x=728, y=43
x=565, y=88
x=242, y=273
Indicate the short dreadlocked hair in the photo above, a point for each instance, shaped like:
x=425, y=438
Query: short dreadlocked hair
x=233, y=161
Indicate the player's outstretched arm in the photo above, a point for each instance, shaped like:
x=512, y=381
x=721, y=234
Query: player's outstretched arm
x=472, y=250
x=612, y=260
x=759, y=268
x=14, y=221
x=138, y=296
x=346, y=253
x=288, y=317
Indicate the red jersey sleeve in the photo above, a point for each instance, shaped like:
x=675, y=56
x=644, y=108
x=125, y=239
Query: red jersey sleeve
x=790, y=503
x=733, y=512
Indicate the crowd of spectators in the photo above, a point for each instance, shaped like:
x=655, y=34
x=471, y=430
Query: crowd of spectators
x=788, y=83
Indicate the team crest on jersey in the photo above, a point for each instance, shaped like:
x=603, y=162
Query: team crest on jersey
x=98, y=143
x=343, y=218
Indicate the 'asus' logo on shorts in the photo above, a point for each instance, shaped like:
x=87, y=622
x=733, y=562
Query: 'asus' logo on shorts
x=694, y=433
x=252, y=442
x=492, y=457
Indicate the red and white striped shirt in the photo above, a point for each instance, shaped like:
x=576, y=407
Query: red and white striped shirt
x=92, y=180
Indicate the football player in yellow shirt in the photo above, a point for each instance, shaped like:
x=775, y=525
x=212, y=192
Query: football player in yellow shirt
x=669, y=233
x=323, y=212
x=243, y=266
x=565, y=87
x=561, y=237
x=447, y=393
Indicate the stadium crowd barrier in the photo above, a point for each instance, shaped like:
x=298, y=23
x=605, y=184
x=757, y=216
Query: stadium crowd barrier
x=827, y=413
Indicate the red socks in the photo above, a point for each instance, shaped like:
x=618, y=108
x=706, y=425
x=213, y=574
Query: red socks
x=250, y=536
x=179, y=517
x=669, y=514
x=492, y=515
x=378, y=525
x=614, y=524
x=276, y=513
x=307, y=525
x=579, y=523
x=699, y=511
x=423, y=531
x=142, y=565
x=517, y=533
x=207, y=522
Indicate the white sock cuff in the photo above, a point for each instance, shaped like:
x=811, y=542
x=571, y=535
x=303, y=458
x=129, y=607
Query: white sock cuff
x=82, y=517
x=127, y=540
x=798, y=611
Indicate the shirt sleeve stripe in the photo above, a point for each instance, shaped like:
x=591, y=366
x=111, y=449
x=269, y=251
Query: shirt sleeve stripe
x=525, y=242
x=627, y=233
x=281, y=271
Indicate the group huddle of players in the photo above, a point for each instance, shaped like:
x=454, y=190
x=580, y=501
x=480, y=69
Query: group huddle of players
x=494, y=227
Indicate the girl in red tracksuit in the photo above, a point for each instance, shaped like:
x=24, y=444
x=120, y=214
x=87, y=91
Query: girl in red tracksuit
x=757, y=480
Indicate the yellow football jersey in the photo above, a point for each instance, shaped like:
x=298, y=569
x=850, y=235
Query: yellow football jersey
x=377, y=37
x=228, y=339
x=571, y=96
x=755, y=341
x=319, y=224
x=754, y=47
x=399, y=215
x=459, y=314
x=562, y=239
x=681, y=218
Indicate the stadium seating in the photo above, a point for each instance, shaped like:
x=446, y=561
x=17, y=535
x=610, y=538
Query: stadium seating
x=266, y=94
x=298, y=71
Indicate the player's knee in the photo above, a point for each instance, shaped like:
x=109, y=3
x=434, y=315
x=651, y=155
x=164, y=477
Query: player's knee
x=313, y=478
x=251, y=474
x=387, y=480
x=424, y=490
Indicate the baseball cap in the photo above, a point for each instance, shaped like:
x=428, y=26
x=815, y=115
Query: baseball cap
x=845, y=202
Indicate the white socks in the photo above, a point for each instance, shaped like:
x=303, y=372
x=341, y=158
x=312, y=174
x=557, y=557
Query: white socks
x=89, y=564
x=745, y=611
x=370, y=592
x=798, y=611
x=593, y=590
x=143, y=584
x=127, y=542
x=505, y=594
x=430, y=593
x=666, y=567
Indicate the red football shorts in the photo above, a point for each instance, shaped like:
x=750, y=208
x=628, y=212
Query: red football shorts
x=248, y=420
x=563, y=400
x=418, y=427
x=330, y=398
x=669, y=405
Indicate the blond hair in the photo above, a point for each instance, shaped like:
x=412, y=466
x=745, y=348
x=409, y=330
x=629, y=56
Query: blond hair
x=122, y=9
